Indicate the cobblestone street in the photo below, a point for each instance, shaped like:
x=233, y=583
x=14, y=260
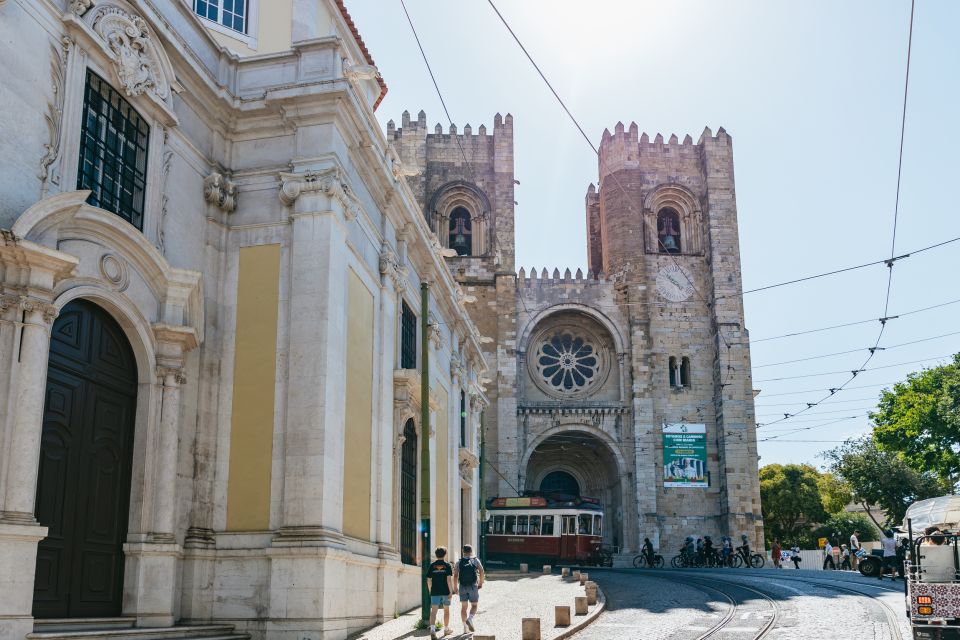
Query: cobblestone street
x=742, y=604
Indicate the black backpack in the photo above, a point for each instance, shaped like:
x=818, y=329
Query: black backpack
x=467, y=572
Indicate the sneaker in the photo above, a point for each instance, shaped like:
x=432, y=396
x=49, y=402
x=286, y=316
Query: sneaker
x=470, y=623
x=433, y=632
x=447, y=631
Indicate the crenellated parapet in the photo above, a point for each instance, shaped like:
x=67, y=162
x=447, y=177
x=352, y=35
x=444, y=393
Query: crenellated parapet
x=545, y=278
x=628, y=148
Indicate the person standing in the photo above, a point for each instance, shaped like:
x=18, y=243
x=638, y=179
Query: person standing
x=854, y=547
x=775, y=553
x=469, y=576
x=844, y=557
x=440, y=584
x=889, y=554
x=828, y=556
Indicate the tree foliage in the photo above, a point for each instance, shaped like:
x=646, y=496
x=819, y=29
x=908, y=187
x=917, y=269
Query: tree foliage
x=840, y=526
x=791, y=500
x=835, y=494
x=879, y=478
x=920, y=419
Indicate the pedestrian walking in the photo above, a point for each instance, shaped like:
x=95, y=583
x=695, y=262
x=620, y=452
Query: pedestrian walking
x=775, y=553
x=828, y=556
x=844, y=557
x=469, y=576
x=854, y=547
x=795, y=556
x=440, y=584
x=889, y=554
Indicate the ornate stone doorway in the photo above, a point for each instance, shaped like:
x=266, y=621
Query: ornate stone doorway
x=590, y=464
x=83, y=486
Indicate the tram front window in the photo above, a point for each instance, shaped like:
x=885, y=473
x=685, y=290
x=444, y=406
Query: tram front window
x=597, y=530
x=511, y=526
x=498, y=524
x=547, y=529
x=585, y=524
x=522, y=525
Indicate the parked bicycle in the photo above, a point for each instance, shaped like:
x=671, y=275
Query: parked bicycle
x=640, y=562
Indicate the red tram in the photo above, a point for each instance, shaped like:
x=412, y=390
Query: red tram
x=553, y=529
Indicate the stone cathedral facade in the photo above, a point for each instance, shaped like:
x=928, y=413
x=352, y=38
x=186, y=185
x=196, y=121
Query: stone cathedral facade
x=590, y=372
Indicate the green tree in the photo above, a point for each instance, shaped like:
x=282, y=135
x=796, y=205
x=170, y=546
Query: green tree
x=834, y=493
x=840, y=525
x=881, y=479
x=920, y=418
x=791, y=499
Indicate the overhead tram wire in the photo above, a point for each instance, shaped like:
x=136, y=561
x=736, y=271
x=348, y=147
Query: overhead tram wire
x=855, y=372
x=857, y=322
x=838, y=353
x=893, y=243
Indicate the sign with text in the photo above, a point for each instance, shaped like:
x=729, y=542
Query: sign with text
x=685, y=455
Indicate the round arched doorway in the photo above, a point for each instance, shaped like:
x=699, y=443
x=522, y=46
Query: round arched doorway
x=86, y=455
x=579, y=463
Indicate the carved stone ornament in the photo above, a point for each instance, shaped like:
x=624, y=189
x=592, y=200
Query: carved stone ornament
x=114, y=270
x=140, y=64
x=436, y=336
x=54, y=115
x=456, y=366
x=331, y=182
x=390, y=266
x=175, y=373
x=48, y=310
x=80, y=7
x=360, y=71
x=220, y=191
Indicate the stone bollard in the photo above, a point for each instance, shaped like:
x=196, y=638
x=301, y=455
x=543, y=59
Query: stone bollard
x=561, y=616
x=576, y=575
x=523, y=567
x=580, y=605
x=547, y=569
x=583, y=578
x=531, y=628
x=592, y=595
x=565, y=572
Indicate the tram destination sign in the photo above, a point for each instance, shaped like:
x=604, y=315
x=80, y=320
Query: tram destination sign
x=685, y=455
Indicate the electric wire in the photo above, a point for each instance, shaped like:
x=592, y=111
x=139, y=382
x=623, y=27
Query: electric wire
x=838, y=353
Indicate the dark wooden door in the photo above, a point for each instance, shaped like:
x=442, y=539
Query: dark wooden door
x=83, y=485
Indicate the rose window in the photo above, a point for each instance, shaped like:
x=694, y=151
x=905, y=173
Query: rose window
x=567, y=362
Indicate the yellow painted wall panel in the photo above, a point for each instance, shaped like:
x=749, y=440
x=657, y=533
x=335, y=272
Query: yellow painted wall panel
x=254, y=382
x=443, y=470
x=358, y=427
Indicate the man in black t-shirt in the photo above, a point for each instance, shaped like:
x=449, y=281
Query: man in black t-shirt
x=440, y=584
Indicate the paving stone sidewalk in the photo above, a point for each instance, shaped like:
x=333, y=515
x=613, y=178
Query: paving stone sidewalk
x=504, y=601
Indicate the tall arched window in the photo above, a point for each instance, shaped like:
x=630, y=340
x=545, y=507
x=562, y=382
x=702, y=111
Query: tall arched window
x=685, y=371
x=408, y=494
x=668, y=231
x=461, y=232
x=674, y=372
x=560, y=482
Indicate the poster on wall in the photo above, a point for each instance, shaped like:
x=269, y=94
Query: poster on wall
x=685, y=455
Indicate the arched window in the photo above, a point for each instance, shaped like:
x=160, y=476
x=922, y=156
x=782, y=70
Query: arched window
x=674, y=372
x=560, y=482
x=685, y=372
x=668, y=231
x=461, y=227
x=408, y=494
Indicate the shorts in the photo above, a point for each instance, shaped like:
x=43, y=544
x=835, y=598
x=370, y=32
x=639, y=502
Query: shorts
x=469, y=593
x=443, y=601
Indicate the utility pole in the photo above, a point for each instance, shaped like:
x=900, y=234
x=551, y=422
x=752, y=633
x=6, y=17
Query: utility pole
x=482, y=534
x=425, y=448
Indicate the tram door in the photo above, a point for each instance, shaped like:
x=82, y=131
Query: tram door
x=568, y=538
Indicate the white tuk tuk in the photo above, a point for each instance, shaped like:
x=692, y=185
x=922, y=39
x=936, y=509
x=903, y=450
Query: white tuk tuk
x=933, y=568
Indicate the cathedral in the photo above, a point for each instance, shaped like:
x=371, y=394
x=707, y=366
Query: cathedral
x=630, y=382
x=251, y=343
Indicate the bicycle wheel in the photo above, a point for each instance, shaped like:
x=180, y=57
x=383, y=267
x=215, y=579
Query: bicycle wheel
x=736, y=561
x=639, y=562
x=658, y=561
x=676, y=562
x=757, y=561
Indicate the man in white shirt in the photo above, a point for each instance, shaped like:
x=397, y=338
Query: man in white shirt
x=854, y=547
x=828, y=556
x=889, y=554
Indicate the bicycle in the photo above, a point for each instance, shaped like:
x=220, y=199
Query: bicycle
x=737, y=560
x=640, y=561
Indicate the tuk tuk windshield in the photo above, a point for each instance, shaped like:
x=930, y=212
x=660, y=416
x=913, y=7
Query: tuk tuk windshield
x=943, y=512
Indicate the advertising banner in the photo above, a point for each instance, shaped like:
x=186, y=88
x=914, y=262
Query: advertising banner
x=685, y=455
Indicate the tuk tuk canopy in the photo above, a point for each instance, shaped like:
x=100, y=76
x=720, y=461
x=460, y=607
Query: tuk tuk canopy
x=943, y=512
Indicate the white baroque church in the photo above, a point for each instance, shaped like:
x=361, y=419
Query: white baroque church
x=210, y=342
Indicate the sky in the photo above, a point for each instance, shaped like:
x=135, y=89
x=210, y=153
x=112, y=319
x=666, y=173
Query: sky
x=812, y=94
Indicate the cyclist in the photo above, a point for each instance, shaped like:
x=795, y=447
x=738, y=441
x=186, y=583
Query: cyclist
x=688, y=551
x=709, y=553
x=727, y=546
x=647, y=552
x=699, y=556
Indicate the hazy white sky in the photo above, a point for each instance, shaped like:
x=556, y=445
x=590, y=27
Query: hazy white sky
x=811, y=93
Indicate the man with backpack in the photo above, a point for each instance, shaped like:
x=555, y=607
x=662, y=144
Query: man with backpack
x=469, y=576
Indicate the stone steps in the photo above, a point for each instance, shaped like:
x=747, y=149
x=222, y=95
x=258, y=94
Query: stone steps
x=118, y=629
